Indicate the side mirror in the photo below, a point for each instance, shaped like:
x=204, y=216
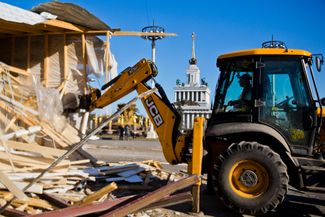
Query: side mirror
x=319, y=60
x=318, y=64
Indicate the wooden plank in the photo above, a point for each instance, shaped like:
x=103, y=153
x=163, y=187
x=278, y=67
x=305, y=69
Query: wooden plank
x=16, y=80
x=58, y=202
x=71, y=134
x=152, y=197
x=129, y=33
x=52, y=175
x=12, y=187
x=64, y=25
x=98, y=194
x=4, y=120
x=35, y=148
x=19, y=27
x=85, y=209
x=12, y=121
x=135, y=187
x=6, y=195
x=35, y=202
x=54, y=135
x=18, y=104
x=65, y=58
x=36, y=188
x=35, y=162
x=84, y=57
x=18, y=70
x=46, y=60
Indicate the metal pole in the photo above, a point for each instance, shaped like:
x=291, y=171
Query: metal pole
x=151, y=133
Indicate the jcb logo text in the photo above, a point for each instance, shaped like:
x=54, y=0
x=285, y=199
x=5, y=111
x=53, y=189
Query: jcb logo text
x=154, y=112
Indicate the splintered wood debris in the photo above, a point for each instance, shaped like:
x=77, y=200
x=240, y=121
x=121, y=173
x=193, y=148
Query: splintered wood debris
x=83, y=186
x=31, y=139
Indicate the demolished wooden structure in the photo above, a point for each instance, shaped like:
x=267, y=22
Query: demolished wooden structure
x=43, y=59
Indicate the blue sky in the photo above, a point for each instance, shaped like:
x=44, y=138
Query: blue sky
x=220, y=27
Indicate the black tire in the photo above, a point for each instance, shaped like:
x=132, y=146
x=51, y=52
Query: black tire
x=250, y=178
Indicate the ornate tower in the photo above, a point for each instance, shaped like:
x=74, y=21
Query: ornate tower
x=192, y=98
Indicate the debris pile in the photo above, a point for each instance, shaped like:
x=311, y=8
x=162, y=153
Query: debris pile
x=34, y=134
x=91, y=186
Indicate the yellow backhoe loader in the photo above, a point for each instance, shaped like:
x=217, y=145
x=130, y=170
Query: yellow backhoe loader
x=264, y=132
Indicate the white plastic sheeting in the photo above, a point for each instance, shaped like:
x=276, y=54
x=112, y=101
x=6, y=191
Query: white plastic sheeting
x=19, y=15
x=49, y=105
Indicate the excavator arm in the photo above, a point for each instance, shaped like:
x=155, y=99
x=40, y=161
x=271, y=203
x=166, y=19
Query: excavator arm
x=162, y=113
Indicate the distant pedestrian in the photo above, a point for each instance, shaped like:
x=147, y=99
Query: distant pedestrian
x=127, y=131
x=121, y=132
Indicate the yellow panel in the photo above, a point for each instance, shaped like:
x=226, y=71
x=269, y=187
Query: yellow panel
x=197, y=154
x=265, y=51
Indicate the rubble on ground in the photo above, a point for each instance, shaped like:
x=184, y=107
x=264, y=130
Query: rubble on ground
x=30, y=141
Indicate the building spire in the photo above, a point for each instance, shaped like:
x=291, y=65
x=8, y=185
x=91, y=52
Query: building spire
x=193, y=60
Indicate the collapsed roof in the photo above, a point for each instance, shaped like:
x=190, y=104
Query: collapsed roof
x=72, y=13
x=64, y=17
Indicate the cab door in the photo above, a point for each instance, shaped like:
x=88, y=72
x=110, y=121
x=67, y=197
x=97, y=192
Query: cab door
x=287, y=105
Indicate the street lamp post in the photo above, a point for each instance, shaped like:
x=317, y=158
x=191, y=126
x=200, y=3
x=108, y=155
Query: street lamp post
x=152, y=29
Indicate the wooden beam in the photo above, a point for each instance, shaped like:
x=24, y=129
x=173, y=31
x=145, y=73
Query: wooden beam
x=35, y=202
x=84, y=57
x=129, y=33
x=85, y=209
x=35, y=188
x=46, y=60
x=5, y=120
x=12, y=121
x=12, y=187
x=152, y=197
x=65, y=57
x=18, y=70
x=40, y=28
x=64, y=25
x=18, y=104
x=21, y=27
x=10, y=32
x=98, y=194
x=35, y=148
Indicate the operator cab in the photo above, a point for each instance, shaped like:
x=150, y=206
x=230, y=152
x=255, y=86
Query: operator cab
x=269, y=86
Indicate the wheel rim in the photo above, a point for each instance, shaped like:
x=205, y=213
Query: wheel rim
x=248, y=179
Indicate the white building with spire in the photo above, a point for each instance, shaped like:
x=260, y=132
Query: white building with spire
x=192, y=97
